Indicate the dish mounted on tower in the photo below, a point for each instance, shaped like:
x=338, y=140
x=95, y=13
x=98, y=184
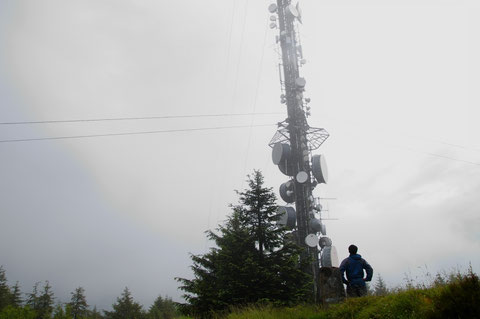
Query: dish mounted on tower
x=292, y=147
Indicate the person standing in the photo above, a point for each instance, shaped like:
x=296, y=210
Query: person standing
x=354, y=266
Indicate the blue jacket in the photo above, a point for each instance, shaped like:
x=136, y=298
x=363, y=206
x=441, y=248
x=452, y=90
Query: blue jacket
x=354, y=266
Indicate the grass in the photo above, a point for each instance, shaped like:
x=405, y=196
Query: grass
x=457, y=296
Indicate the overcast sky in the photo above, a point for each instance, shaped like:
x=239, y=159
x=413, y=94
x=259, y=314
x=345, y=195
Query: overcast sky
x=395, y=83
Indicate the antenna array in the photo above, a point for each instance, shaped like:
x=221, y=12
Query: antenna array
x=292, y=147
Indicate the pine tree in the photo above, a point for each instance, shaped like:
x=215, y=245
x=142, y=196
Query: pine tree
x=250, y=263
x=16, y=296
x=5, y=295
x=162, y=308
x=78, y=303
x=95, y=314
x=32, y=298
x=380, y=288
x=45, y=302
x=125, y=308
x=60, y=313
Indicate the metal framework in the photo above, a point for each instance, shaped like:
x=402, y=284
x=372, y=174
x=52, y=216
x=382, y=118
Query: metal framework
x=295, y=132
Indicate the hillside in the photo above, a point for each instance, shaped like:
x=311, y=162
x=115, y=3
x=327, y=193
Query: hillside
x=459, y=297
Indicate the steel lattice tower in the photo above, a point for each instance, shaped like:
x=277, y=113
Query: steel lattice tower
x=293, y=143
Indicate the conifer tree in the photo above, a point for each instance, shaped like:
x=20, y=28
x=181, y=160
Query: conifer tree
x=162, y=308
x=380, y=288
x=32, y=298
x=60, y=313
x=5, y=295
x=16, y=296
x=95, y=314
x=125, y=308
x=251, y=261
x=78, y=304
x=45, y=302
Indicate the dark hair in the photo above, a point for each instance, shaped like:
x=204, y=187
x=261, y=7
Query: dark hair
x=352, y=249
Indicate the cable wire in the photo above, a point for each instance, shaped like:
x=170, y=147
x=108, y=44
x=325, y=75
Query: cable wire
x=131, y=133
x=137, y=118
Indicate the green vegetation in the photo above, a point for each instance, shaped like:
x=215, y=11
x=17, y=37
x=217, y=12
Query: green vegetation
x=455, y=297
x=251, y=263
x=40, y=304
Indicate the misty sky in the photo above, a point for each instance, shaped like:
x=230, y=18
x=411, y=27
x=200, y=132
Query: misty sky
x=395, y=83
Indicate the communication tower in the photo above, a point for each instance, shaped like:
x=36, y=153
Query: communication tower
x=292, y=147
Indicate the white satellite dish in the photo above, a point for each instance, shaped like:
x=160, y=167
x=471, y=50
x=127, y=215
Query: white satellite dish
x=272, y=8
x=311, y=240
x=300, y=82
x=302, y=177
x=329, y=257
x=319, y=168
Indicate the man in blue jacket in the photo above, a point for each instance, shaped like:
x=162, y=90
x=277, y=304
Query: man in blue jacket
x=354, y=266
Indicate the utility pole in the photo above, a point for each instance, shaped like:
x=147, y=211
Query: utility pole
x=292, y=145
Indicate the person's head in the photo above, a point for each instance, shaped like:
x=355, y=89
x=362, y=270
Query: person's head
x=352, y=249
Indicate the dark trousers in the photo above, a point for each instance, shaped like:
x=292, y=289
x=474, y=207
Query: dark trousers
x=356, y=290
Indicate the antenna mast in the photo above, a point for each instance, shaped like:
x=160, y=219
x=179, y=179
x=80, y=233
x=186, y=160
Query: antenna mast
x=292, y=145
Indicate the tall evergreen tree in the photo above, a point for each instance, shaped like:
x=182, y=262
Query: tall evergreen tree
x=16, y=296
x=61, y=312
x=5, y=294
x=162, y=308
x=95, y=314
x=45, y=302
x=380, y=288
x=126, y=308
x=78, y=304
x=32, y=298
x=251, y=262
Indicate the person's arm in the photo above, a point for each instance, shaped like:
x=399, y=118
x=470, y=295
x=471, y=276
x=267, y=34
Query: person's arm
x=368, y=269
x=343, y=267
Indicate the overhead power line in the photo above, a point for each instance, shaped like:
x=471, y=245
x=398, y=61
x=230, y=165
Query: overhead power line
x=137, y=118
x=131, y=133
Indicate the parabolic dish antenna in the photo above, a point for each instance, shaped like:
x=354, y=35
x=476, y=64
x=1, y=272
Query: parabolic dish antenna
x=329, y=257
x=300, y=82
x=324, y=242
x=291, y=9
x=272, y=8
x=302, y=177
x=287, y=193
x=315, y=225
x=319, y=168
x=281, y=152
x=311, y=240
x=288, y=216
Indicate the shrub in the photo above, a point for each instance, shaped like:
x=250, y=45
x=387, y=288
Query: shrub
x=459, y=299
